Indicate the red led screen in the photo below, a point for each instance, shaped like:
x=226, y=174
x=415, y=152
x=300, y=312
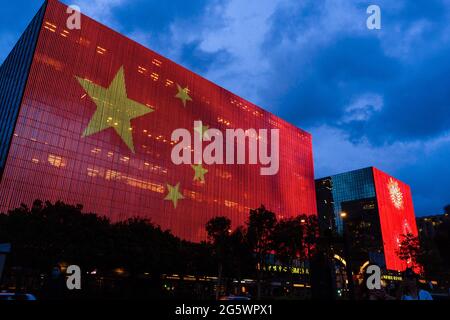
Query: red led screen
x=396, y=216
x=68, y=146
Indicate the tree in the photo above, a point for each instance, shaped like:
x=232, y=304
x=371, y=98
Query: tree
x=310, y=226
x=322, y=245
x=310, y=233
x=48, y=234
x=287, y=241
x=409, y=250
x=140, y=248
x=241, y=257
x=430, y=258
x=219, y=229
x=442, y=239
x=260, y=226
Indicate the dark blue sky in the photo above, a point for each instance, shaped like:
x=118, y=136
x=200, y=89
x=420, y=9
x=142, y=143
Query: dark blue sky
x=369, y=97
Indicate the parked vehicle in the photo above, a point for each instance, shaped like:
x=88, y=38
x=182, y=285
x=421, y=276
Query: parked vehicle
x=11, y=296
x=235, y=298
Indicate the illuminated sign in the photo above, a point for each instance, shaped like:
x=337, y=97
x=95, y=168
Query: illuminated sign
x=285, y=269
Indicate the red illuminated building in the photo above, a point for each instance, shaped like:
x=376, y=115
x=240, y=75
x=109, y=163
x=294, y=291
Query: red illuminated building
x=87, y=117
x=373, y=209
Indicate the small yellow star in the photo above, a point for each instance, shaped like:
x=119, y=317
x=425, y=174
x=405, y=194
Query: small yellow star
x=202, y=130
x=199, y=172
x=174, y=194
x=183, y=95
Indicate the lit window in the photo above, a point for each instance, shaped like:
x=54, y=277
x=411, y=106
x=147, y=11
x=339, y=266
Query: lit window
x=56, y=161
x=142, y=70
x=83, y=42
x=50, y=26
x=101, y=50
x=156, y=62
x=155, y=76
x=64, y=34
x=92, y=172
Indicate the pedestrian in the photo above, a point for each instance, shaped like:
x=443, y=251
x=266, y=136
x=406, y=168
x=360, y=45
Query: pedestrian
x=409, y=289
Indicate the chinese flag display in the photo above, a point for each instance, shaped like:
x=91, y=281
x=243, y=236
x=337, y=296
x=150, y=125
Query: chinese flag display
x=95, y=127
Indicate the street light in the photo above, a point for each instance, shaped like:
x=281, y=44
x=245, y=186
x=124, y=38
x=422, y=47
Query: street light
x=343, y=215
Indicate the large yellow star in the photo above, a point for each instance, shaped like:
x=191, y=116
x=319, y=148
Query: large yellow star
x=174, y=194
x=199, y=172
x=183, y=95
x=114, y=109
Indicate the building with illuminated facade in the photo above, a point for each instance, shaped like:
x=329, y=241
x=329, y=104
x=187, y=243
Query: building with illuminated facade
x=87, y=116
x=371, y=210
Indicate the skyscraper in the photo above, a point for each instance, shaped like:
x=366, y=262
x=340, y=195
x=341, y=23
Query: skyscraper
x=373, y=209
x=88, y=116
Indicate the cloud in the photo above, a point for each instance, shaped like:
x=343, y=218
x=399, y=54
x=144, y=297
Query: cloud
x=152, y=21
x=335, y=153
x=102, y=10
x=362, y=107
x=233, y=30
x=204, y=60
x=421, y=164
